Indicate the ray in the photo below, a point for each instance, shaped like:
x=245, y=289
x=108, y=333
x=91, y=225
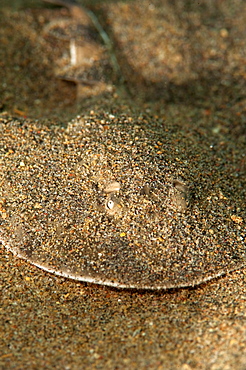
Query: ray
x=125, y=202
x=90, y=61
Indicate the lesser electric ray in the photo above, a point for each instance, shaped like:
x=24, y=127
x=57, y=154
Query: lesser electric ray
x=122, y=202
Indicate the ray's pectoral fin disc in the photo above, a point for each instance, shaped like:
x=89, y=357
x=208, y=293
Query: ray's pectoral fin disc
x=98, y=202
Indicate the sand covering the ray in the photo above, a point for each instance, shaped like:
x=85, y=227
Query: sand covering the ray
x=56, y=213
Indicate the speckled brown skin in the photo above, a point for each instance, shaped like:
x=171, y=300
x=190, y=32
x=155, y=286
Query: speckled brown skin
x=121, y=201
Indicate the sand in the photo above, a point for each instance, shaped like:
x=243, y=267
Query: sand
x=52, y=322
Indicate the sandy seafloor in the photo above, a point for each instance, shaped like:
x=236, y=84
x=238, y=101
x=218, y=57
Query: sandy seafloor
x=183, y=62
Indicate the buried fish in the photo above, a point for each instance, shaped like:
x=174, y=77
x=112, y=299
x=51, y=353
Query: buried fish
x=125, y=202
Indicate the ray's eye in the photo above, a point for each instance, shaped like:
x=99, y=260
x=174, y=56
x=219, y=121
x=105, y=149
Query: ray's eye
x=113, y=206
x=110, y=204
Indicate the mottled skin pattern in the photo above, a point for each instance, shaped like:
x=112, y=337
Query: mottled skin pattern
x=119, y=202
